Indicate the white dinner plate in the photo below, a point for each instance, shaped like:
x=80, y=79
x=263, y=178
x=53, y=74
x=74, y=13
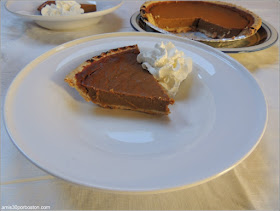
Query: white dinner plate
x=218, y=118
x=27, y=9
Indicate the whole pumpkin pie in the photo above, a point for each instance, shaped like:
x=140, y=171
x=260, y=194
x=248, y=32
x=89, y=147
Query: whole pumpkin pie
x=214, y=19
x=114, y=79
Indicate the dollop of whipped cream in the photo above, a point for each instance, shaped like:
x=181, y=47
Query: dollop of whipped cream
x=167, y=64
x=62, y=8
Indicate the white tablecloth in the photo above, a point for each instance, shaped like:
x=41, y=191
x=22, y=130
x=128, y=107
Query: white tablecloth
x=253, y=184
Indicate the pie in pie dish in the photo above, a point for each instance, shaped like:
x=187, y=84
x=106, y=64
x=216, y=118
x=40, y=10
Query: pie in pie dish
x=213, y=18
x=114, y=79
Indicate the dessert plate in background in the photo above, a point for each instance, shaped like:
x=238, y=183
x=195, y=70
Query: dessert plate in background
x=217, y=120
x=28, y=10
x=265, y=37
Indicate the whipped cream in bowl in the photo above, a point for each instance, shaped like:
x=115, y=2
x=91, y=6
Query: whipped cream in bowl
x=167, y=64
x=61, y=8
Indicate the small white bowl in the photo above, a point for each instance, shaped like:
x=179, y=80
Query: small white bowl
x=28, y=10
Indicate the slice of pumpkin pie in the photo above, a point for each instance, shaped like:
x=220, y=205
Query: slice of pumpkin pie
x=114, y=79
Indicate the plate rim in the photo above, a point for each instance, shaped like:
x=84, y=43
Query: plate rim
x=61, y=47
x=268, y=43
